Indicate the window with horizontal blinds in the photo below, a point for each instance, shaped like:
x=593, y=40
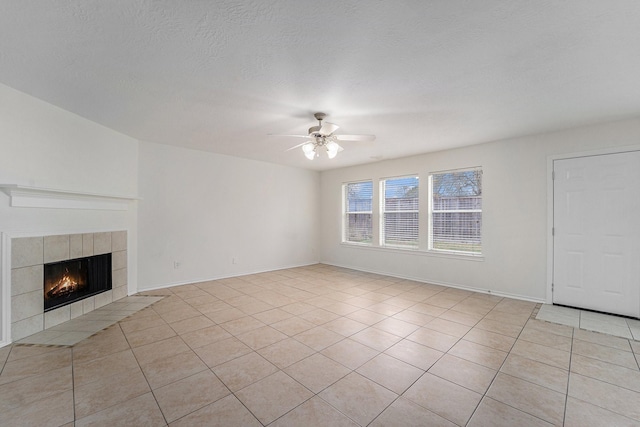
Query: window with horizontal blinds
x=456, y=211
x=400, y=213
x=358, y=199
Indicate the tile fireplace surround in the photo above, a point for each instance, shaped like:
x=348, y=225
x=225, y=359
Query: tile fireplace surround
x=28, y=256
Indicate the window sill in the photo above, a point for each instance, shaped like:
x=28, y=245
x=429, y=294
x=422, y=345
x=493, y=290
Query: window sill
x=418, y=252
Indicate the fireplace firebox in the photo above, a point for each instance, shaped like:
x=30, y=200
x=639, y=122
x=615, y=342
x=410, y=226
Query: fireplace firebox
x=69, y=281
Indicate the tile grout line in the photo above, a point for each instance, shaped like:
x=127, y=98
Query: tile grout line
x=143, y=374
x=496, y=375
x=484, y=395
x=566, y=396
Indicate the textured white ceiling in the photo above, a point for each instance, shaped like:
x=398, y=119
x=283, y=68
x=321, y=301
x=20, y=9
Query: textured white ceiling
x=421, y=75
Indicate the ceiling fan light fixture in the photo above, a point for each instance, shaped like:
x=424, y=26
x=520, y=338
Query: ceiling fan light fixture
x=332, y=149
x=321, y=137
x=309, y=150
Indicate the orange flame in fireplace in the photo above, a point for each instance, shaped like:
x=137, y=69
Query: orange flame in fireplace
x=64, y=286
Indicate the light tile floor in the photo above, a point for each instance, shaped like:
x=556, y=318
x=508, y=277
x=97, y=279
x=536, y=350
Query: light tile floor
x=319, y=346
x=591, y=321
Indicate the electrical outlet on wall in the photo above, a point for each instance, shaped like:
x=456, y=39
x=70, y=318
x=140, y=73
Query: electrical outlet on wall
x=235, y=260
x=176, y=264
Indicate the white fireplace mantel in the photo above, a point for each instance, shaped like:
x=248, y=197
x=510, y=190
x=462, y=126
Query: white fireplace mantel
x=34, y=197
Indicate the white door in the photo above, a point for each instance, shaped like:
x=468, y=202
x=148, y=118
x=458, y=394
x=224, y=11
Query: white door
x=596, y=215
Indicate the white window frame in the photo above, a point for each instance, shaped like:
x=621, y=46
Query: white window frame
x=432, y=211
x=347, y=212
x=384, y=211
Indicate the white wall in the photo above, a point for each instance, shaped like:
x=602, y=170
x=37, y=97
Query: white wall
x=515, y=229
x=203, y=210
x=44, y=146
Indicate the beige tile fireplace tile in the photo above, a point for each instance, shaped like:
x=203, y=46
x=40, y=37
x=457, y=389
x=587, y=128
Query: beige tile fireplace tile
x=26, y=305
x=70, y=338
x=88, y=304
x=103, y=299
x=119, y=240
x=27, y=279
x=119, y=293
x=119, y=277
x=75, y=246
x=118, y=260
x=87, y=244
x=57, y=316
x=101, y=243
x=26, y=251
x=83, y=325
x=42, y=337
x=76, y=309
x=56, y=248
x=26, y=327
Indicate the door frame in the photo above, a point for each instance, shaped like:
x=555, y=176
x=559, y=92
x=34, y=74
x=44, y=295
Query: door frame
x=550, y=207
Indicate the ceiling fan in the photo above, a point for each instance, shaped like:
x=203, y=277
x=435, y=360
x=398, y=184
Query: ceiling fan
x=322, y=137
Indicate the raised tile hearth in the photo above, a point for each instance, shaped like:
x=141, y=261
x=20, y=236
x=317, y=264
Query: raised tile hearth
x=73, y=331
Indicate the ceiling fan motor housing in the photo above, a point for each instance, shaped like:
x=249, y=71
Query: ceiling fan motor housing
x=314, y=129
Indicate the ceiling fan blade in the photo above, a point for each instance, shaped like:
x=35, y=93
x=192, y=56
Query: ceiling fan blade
x=296, y=146
x=292, y=136
x=355, y=137
x=328, y=128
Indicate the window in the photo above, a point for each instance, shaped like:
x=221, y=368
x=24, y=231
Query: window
x=357, y=208
x=400, y=212
x=456, y=211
